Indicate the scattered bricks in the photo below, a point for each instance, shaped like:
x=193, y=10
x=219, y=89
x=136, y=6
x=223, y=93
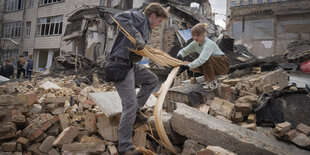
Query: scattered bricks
x=23, y=141
x=166, y=118
x=204, y=108
x=81, y=135
x=303, y=128
x=18, y=153
x=302, y=140
x=64, y=121
x=8, y=147
x=248, y=99
x=19, y=147
x=32, y=98
x=238, y=118
x=223, y=118
x=191, y=147
x=47, y=144
x=112, y=150
x=90, y=122
x=53, y=152
x=219, y=151
x=251, y=126
x=36, y=109
x=252, y=118
x=106, y=129
x=221, y=107
x=267, y=89
x=35, y=149
x=232, y=82
x=40, y=138
x=225, y=92
x=245, y=93
x=53, y=130
x=244, y=108
x=282, y=128
x=66, y=136
x=87, y=139
x=7, y=130
x=56, y=100
x=85, y=147
x=290, y=135
x=35, y=134
x=139, y=138
x=18, y=117
x=28, y=153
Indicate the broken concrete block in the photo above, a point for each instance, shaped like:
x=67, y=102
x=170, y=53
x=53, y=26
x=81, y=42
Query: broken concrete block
x=238, y=118
x=290, y=135
x=64, y=121
x=282, y=128
x=303, y=128
x=251, y=126
x=53, y=130
x=112, y=150
x=139, y=138
x=204, y=108
x=8, y=146
x=53, y=152
x=36, y=109
x=19, y=147
x=219, y=151
x=84, y=147
x=87, y=139
x=248, y=99
x=49, y=85
x=7, y=130
x=252, y=118
x=60, y=101
x=66, y=136
x=225, y=92
x=166, y=119
x=302, y=140
x=221, y=107
x=47, y=144
x=205, y=129
x=35, y=149
x=18, y=117
x=191, y=147
x=244, y=108
x=90, y=122
x=232, y=82
x=106, y=129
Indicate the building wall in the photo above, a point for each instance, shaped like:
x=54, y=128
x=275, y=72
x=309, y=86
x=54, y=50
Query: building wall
x=34, y=43
x=267, y=29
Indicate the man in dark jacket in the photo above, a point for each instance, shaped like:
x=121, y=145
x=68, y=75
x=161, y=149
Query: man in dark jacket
x=7, y=69
x=139, y=25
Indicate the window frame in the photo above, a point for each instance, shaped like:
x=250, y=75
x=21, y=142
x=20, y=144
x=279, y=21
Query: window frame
x=28, y=29
x=13, y=5
x=12, y=29
x=49, y=2
x=259, y=1
x=233, y=3
x=52, y=23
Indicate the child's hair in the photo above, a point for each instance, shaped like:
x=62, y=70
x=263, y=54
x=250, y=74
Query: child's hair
x=199, y=29
x=156, y=8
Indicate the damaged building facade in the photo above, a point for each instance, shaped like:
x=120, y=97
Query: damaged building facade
x=92, y=30
x=36, y=27
x=266, y=27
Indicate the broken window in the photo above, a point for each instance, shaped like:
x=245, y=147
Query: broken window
x=45, y=2
x=49, y=26
x=28, y=29
x=241, y=2
x=259, y=1
x=12, y=29
x=233, y=3
x=268, y=1
x=13, y=5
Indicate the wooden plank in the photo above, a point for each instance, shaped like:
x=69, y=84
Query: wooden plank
x=158, y=109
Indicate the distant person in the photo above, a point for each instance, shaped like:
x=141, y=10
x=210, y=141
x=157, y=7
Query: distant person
x=7, y=70
x=29, y=66
x=12, y=61
x=211, y=61
x=20, y=66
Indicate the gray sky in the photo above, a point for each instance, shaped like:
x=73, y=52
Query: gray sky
x=219, y=6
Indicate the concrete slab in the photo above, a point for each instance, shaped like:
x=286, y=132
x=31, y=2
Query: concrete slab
x=207, y=130
x=49, y=85
x=3, y=79
x=110, y=102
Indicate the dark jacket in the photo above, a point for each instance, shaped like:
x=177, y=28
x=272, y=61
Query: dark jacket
x=134, y=22
x=7, y=71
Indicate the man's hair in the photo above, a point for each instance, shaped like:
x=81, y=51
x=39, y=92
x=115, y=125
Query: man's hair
x=6, y=60
x=21, y=55
x=30, y=56
x=199, y=29
x=156, y=8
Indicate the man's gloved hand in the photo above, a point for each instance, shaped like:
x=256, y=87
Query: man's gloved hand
x=182, y=69
x=180, y=57
x=140, y=43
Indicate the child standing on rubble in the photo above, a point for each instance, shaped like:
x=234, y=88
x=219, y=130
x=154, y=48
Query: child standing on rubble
x=211, y=61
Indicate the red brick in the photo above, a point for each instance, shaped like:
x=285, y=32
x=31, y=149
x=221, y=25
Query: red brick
x=64, y=120
x=8, y=147
x=23, y=140
x=290, y=135
x=89, y=102
x=282, y=128
x=32, y=98
x=225, y=92
x=112, y=150
x=54, y=119
x=85, y=147
x=28, y=153
x=8, y=134
x=47, y=144
x=303, y=128
x=46, y=125
x=35, y=134
x=66, y=136
x=90, y=122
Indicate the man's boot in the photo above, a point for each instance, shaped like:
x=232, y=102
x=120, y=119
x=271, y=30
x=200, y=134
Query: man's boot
x=141, y=118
